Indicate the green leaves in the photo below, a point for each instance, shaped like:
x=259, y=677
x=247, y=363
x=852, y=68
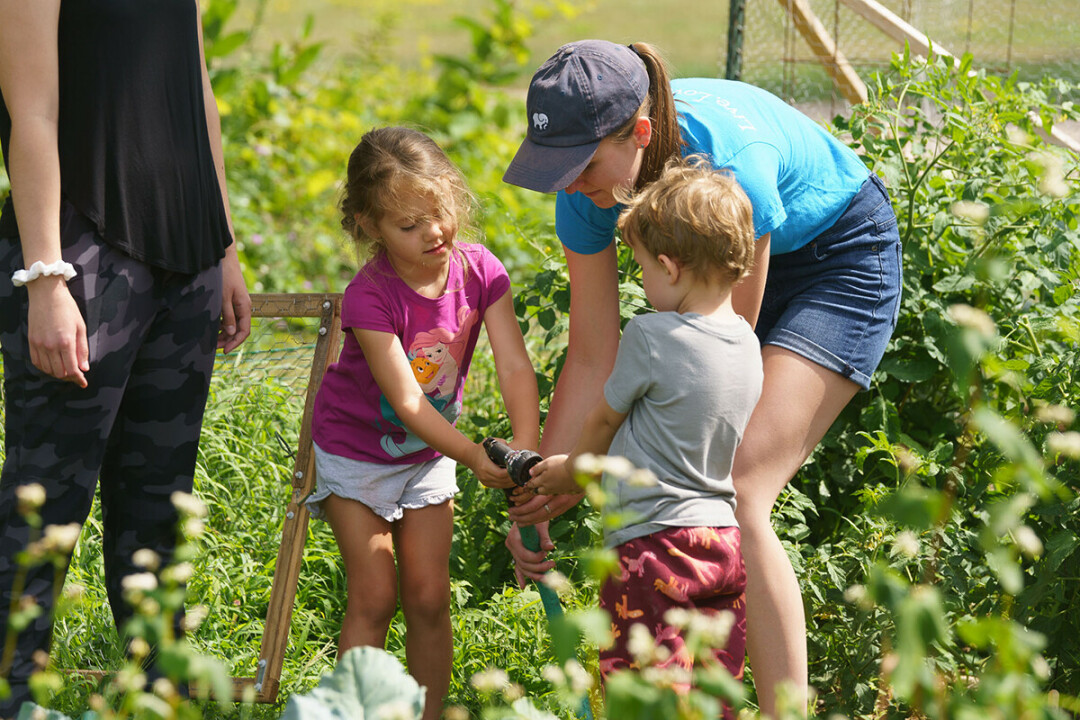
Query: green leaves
x=367, y=683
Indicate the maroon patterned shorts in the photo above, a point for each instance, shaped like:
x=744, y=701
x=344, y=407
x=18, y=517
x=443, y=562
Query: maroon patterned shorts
x=698, y=568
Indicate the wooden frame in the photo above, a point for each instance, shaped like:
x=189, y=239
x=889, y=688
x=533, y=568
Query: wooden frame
x=275, y=639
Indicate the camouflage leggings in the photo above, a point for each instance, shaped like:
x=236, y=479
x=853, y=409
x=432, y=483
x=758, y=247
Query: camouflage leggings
x=152, y=337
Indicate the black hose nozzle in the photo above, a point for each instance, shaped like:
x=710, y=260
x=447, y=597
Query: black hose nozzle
x=518, y=463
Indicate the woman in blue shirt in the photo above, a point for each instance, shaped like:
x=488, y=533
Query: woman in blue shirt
x=823, y=296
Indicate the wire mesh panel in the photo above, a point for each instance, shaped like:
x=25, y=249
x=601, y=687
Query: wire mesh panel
x=293, y=339
x=1031, y=37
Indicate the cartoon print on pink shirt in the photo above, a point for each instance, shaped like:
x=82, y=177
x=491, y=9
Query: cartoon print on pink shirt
x=444, y=350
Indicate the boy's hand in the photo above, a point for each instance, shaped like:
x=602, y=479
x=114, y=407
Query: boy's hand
x=553, y=476
x=488, y=473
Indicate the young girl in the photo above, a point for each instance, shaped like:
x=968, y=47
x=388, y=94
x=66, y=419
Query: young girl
x=385, y=443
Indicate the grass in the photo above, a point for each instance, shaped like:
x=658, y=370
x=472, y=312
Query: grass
x=693, y=34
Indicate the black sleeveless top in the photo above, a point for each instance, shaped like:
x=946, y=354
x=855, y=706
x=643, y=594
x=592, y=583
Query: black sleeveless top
x=134, y=149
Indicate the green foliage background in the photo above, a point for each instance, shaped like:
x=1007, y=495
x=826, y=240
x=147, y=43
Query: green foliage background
x=935, y=530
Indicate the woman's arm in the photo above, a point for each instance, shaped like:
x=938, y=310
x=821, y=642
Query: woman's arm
x=390, y=367
x=235, y=301
x=594, y=341
x=29, y=79
x=747, y=293
x=517, y=377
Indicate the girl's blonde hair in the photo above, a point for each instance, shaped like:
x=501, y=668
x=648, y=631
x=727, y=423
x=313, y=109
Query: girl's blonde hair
x=659, y=107
x=393, y=162
x=696, y=215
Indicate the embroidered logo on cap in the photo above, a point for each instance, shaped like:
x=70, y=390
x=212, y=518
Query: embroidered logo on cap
x=540, y=121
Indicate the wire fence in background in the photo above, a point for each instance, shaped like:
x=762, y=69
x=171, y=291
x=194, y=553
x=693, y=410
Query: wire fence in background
x=1031, y=37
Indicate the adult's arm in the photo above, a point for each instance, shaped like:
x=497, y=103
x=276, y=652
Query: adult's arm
x=29, y=79
x=593, y=343
x=747, y=293
x=235, y=301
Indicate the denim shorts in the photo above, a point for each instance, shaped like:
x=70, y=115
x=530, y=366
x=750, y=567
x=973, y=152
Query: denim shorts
x=835, y=300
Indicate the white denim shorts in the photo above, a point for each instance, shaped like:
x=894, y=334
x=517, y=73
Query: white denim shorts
x=389, y=490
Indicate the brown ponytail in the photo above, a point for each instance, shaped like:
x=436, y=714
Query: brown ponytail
x=659, y=107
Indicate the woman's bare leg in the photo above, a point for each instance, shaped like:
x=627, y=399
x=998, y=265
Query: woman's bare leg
x=799, y=402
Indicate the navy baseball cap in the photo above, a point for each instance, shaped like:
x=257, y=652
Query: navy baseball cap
x=583, y=93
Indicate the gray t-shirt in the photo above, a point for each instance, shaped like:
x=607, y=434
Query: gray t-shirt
x=688, y=384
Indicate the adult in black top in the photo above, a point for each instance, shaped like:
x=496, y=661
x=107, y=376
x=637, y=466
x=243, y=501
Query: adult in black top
x=112, y=142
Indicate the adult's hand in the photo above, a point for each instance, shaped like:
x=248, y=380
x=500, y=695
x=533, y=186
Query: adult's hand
x=56, y=331
x=541, y=508
x=235, y=303
x=530, y=564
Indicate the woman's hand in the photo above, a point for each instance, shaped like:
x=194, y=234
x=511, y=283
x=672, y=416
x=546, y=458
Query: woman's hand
x=235, y=303
x=57, y=331
x=542, y=508
x=529, y=564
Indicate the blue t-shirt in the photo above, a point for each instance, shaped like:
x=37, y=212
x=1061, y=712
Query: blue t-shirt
x=799, y=178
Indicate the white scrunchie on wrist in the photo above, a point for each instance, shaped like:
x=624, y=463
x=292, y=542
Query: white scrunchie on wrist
x=40, y=269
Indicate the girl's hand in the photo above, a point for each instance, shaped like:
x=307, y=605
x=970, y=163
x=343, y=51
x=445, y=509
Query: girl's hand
x=57, y=331
x=553, y=476
x=488, y=473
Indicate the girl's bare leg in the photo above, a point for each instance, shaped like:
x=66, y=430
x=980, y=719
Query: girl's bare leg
x=423, y=539
x=367, y=549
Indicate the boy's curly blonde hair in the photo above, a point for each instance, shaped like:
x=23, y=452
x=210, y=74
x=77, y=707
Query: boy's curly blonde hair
x=698, y=216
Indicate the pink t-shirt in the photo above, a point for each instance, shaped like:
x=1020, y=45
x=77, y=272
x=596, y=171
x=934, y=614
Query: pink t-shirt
x=352, y=416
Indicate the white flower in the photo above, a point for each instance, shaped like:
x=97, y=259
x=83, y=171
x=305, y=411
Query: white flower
x=1028, y=542
x=554, y=675
x=188, y=504
x=578, y=677
x=618, y=466
x=139, y=647
x=973, y=318
x=163, y=687
x=139, y=582
x=1052, y=180
x=975, y=212
x=557, y=582
x=672, y=675
x=1055, y=415
x=1066, y=443
x=858, y=596
x=180, y=573
x=146, y=558
x=513, y=691
x=677, y=617
x=715, y=628
x=640, y=644
x=490, y=680
x=193, y=527
x=194, y=617
x=62, y=538
x=31, y=496
x=1017, y=135
x=74, y=591
x=906, y=544
x=589, y=464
